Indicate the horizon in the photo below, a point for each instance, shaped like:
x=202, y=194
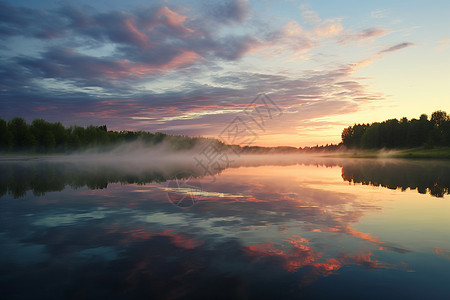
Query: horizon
x=192, y=67
x=251, y=144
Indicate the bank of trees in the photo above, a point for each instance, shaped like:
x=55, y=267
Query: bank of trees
x=41, y=136
x=403, y=133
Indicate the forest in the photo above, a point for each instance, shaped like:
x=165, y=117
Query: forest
x=44, y=137
x=400, y=134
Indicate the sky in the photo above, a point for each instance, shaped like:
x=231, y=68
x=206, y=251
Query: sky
x=291, y=73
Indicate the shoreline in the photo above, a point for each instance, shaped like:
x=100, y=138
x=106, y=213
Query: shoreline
x=412, y=153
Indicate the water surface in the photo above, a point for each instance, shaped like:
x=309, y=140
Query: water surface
x=309, y=228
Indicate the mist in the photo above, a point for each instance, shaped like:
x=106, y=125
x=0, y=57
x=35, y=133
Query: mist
x=137, y=156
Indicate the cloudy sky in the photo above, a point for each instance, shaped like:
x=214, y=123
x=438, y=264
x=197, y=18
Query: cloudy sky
x=192, y=67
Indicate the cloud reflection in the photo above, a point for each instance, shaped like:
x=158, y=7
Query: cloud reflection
x=296, y=224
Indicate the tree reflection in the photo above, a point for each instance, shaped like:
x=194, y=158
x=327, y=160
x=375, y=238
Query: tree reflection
x=429, y=177
x=42, y=177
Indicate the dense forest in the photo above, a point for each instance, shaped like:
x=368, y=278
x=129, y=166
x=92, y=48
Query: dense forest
x=395, y=134
x=43, y=137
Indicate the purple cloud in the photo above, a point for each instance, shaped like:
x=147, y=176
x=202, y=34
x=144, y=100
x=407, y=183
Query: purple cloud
x=396, y=47
x=29, y=22
x=228, y=11
x=152, y=40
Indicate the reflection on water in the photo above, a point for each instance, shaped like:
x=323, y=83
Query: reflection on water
x=425, y=176
x=263, y=230
x=16, y=178
x=42, y=176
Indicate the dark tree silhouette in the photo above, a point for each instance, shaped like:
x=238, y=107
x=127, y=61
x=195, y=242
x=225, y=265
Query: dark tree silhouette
x=433, y=178
x=45, y=137
x=6, y=137
x=405, y=133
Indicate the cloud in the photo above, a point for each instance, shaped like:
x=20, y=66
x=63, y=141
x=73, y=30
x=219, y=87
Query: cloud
x=172, y=19
x=329, y=28
x=380, y=54
x=379, y=13
x=197, y=108
x=138, y=29
x=148, y=42
x=152, y=28
x=234, y=47
x=228, y=11
x=291, y=39
x=85, y=70
x=396, y=47
x=29, y=22
x=443, y=44
x=311, y=17
x=365, y=34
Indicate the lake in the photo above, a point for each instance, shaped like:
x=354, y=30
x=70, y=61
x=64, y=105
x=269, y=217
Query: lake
x=263, y=228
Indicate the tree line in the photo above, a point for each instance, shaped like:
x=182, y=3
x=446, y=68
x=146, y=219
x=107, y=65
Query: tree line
x=41, y=136
x=403, y=133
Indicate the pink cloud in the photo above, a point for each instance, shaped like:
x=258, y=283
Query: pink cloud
x=172, y=19
x=128, y=69
x=139, y=36
x=329, y=28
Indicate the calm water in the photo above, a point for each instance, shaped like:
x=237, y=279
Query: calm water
x=312, y=228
